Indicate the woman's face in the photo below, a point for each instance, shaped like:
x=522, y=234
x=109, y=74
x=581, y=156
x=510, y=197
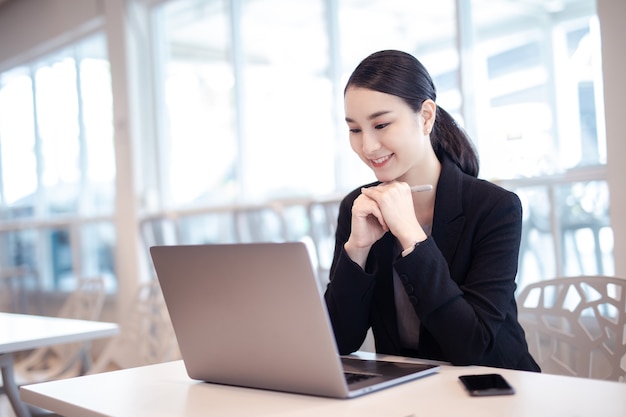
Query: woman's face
x=386, y=134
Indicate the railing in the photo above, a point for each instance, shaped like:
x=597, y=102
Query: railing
x=310, y=220
x=567, y=211
x=313, y=220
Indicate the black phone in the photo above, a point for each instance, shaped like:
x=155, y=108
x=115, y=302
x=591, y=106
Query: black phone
x=486, y=384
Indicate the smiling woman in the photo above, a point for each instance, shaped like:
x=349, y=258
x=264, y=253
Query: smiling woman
x=432, y=274
x=376, y=134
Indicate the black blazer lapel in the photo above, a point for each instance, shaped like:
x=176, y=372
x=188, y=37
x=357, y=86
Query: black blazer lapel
x=449, y=218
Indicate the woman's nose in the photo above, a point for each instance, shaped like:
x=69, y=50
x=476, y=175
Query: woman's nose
x=370, y=143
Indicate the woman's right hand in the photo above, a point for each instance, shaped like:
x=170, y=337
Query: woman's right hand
x=368, y=225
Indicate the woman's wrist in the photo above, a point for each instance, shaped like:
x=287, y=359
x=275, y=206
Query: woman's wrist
x=411, y=248
x=410, y=241
x=357, y=254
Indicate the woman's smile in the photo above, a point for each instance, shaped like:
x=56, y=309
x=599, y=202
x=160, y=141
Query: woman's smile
x=380, y=162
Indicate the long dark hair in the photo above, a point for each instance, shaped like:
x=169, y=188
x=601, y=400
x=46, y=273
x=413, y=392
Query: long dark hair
x=402, y=75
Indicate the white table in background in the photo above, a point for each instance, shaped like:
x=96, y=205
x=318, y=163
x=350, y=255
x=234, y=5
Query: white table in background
x=21, y=332
x=166, y=390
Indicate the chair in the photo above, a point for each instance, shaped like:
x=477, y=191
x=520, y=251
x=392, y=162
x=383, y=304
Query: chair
x=70, y=359
x=260, y=224
x=15, y=283
x=323, y=218
x=146, y=335
x=576, y=325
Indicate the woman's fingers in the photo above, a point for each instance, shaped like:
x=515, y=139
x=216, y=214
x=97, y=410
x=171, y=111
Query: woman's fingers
x=394, y=202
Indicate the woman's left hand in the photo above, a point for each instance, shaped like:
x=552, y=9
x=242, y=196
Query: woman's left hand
x=395, y=202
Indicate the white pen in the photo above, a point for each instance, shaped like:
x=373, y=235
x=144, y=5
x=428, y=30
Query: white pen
x=423, y=187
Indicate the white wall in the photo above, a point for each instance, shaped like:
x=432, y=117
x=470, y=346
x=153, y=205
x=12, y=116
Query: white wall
x=612, y=14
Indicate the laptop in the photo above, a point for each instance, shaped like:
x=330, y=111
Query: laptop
x=252, y=315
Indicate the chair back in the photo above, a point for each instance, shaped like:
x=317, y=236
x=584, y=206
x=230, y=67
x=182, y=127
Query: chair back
x=576, y=325
x=146, y=334
x=67, y=359
x=86, y=301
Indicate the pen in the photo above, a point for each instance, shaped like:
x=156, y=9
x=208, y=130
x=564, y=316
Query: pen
x=419, y=188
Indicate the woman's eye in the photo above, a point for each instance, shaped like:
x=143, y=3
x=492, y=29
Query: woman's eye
x=381, y=126
x=355, y=130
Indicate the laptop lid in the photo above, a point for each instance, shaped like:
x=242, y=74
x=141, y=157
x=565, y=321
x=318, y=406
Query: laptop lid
x=252, y=315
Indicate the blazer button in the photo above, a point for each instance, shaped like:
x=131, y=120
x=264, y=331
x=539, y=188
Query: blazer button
x=404, y=279
x=409, y=289
x=413, y=300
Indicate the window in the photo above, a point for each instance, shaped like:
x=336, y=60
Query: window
x=199, y=145
x=538, y=107
x=243, y=87
x=259, y=95
x=540, y=129
x=253, y=97
x=248, y=109
x=57, y=166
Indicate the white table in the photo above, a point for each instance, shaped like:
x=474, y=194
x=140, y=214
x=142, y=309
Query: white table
x=20, y=332
x=166, y=390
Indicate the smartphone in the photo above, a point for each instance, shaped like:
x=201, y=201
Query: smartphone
x=486, y=384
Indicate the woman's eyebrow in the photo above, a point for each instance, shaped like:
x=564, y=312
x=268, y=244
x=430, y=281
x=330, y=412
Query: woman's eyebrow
x=371, y=116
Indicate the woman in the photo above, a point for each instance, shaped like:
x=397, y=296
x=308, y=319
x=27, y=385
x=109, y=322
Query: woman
x=431, y=272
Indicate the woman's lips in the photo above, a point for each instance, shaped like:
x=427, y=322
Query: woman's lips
x=379, y=162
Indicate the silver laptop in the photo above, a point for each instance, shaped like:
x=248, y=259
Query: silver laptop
x=252, y=315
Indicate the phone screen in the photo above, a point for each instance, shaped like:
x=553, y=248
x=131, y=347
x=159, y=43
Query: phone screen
x=486, y=384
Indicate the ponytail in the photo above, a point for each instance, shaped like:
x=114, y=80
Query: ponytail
x=450, y=138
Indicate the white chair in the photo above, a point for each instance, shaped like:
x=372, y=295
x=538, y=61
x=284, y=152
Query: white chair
x=71, y=359
x=576, y=325
x=259, y=224
x=15, y=283
x=146, y=335
x=323, y=219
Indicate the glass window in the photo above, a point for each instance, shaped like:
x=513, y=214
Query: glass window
x=58, y=165
x=97, y=163
x=426, y=32
x=253, y=99
x=566, y=230
x=287, y=93
x=217, y=227
x=96, y=256
x=246, y=102
x=587, y=239
x=17, y=143
x=199, y=148
x=540, y=118
x=56, y=102
x=537, y=94
x=257, y=92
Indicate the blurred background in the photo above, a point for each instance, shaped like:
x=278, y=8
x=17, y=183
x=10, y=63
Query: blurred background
x=127, y=123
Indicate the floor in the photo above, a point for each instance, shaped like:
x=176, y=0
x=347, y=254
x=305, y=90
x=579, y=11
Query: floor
x=5, y=407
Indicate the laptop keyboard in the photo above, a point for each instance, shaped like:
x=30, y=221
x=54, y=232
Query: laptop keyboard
x=352, y=377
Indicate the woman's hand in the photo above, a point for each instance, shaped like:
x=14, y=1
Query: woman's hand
x=368, y=225
x=394, y=202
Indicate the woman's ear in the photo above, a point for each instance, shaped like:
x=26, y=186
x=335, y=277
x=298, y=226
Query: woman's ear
x=429, y=112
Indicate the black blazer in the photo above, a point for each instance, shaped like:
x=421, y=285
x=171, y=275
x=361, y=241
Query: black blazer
x=461, y=280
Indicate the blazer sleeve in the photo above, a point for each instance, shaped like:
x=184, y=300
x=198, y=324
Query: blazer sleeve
x=350, y=290
x=464, y=301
